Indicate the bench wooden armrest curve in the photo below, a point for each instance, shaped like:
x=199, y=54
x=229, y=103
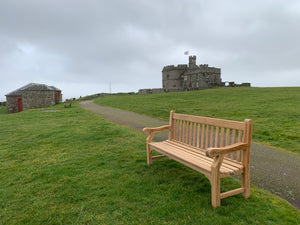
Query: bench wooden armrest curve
x=212, y=152
x=156, y=129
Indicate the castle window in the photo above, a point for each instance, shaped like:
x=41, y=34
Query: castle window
x=174, y=85
x=168, y=76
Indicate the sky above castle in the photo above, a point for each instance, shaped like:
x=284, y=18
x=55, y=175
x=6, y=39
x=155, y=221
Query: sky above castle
x=82, y=47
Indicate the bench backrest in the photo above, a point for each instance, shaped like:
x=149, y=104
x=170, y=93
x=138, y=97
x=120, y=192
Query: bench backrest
x=204, y=132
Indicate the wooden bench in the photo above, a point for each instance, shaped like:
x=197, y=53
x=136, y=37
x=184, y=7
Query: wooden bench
x=214, y=147
x=68, y=103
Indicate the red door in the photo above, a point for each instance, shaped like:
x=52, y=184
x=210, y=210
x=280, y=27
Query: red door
x=19, y=104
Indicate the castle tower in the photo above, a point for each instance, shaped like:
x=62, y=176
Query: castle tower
x=172, y=77
x=192, y=62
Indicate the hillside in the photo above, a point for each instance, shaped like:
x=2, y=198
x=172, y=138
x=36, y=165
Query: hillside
x=68, y=166
x=275, y=111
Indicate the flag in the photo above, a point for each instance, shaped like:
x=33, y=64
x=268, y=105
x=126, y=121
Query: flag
x=186, y=52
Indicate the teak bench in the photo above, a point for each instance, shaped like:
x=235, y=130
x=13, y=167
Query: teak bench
x=68, y=103
x=214, y=147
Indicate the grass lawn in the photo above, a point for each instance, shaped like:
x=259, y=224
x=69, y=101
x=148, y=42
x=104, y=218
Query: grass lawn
x=71, y=167
x=275, y=111
x=3, y=109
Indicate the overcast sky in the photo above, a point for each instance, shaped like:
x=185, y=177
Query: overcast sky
x=80, y=46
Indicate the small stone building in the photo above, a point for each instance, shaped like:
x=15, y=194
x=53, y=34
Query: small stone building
x=32, y=96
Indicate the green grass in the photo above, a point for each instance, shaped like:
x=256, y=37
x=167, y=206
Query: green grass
x=3, y=109
x=275, y=111
x=71, y=167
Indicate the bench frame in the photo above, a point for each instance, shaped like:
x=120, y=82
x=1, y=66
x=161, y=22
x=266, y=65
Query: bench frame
x=207, y=140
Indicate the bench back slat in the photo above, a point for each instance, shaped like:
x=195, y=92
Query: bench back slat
x=204, y=132
x=210, y=121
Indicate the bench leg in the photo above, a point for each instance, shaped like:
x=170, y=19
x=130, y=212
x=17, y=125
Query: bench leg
x=149, y=155
x=149, y=152
x=246, y=183
x=215, y=182
x=215, y=189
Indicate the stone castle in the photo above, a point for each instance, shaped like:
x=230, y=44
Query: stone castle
x=190, y=77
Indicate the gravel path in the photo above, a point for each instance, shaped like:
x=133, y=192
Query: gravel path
x=272, y=169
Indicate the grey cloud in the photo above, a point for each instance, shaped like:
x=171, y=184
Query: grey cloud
x=91, y=43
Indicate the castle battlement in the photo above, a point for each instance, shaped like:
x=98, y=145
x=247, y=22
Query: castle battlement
x=172, y=67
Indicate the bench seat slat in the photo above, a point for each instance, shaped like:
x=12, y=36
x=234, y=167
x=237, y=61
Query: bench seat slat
x=196, y=150
x=196, y=158
x=198, y=161
x=178, y=149
x=188, y=161
x=201, y=153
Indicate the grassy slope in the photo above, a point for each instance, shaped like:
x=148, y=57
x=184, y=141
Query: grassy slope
x=275, y=111
x=71, y=167
x=3, y=109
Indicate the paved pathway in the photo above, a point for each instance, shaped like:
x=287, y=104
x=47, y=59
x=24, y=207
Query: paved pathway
x=272, y=169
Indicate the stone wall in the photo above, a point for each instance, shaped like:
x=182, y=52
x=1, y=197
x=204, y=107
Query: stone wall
x=37, y=99
x=202, y=78
x=12, y=104
x=151, y=91
x=157, y=90
x=172, y=78
x=145, y=91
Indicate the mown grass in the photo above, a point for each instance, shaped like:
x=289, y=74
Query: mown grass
x=275, y=111
x=71, y=167
x=3, y=109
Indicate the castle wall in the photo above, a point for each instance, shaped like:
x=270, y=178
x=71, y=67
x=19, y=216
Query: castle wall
x=201, y=78
x=145, y=91
x=157, y=90
x=151, y=91
x=172, y=78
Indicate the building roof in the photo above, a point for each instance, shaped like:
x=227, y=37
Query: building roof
x=32, y=87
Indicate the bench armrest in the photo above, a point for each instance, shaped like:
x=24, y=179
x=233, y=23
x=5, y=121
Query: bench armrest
x=212, y=152
x=156, y=129
x=151, y=131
